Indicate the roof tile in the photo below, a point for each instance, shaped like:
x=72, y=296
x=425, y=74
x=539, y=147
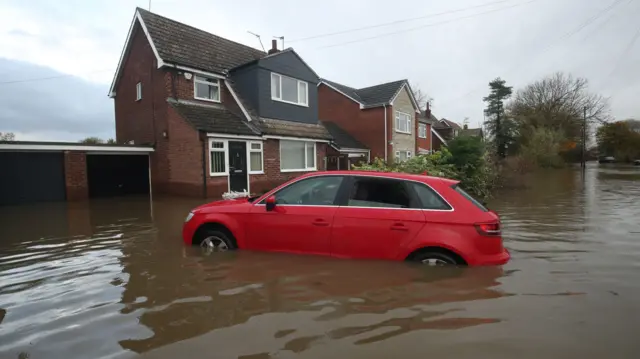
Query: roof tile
x=185, y=45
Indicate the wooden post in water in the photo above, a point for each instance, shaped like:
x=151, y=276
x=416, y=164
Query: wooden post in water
x=583, y=161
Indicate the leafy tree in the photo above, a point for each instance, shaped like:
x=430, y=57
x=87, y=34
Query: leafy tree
x=620, y=140
x=111, y=141
x=7, y=136
x=92, y=141
x=495, y=113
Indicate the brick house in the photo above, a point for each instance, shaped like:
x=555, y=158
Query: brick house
x=221, y=116
x=384, y=118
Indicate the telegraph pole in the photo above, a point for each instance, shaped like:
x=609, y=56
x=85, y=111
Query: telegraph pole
x=583, y=162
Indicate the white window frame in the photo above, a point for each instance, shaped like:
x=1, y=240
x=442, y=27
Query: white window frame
x=422, y=130
x=251, y=150
x=139, y=91
x=409, y=119
x=307, y=168
x=278, y=77
x=408, y=154
x=224, y=150
x=206, y=81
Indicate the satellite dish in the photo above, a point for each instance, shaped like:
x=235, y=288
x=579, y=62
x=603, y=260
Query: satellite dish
x=187, y=75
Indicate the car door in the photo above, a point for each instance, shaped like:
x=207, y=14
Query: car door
x=301, y=220
x=376, y=218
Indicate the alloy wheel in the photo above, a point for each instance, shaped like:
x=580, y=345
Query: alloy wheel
x=214, y=244
x=434, y=262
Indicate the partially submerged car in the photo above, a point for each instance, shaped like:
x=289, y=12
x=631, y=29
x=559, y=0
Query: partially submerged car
x=356, y=214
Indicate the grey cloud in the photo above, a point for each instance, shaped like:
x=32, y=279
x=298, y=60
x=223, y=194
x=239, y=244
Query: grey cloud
x=62, y=104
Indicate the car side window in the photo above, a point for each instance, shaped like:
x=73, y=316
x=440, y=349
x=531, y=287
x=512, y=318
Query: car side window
x=379, y=192
x=429, y=198
x=314, y=191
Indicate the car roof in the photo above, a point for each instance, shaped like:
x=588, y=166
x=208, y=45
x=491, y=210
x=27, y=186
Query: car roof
x=397, y=175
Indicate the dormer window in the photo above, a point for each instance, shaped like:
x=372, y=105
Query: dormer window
x=289, y=90
x=206, y=89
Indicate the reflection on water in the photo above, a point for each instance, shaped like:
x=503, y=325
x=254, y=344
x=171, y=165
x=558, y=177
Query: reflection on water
x=111, y=279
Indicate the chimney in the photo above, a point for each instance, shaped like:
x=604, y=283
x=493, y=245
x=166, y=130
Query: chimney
x=466, y=127
x=274, y=47
x=427, y=112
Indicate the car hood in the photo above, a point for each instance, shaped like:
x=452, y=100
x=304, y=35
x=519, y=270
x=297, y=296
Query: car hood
x=215, y=205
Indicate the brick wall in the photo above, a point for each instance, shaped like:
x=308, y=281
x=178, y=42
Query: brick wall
x=75, y=175
x=367, y=126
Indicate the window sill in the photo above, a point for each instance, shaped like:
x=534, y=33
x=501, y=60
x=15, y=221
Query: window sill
x=425, y=137
x=290, y=103
x=299, y=170
x=218, y=174
x=206, y=99
x=402, y=132
x=256, y=173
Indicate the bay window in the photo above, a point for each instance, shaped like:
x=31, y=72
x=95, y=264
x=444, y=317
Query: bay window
x=289, y=90
x=297, y=156
x=403, y=122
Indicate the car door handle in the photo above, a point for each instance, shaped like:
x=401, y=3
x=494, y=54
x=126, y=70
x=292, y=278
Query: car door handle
x=320, y=223
x=399, y=227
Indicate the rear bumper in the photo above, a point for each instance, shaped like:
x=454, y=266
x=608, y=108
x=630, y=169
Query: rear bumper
x=494, y=259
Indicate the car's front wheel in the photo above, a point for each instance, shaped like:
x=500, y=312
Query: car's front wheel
x=214, y=241
x=435, y=259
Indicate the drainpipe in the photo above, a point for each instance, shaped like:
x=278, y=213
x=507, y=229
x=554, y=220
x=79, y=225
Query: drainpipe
x=203, y=138
x=386, y=140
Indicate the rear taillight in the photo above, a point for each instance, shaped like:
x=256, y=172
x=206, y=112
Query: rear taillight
x=489, y=229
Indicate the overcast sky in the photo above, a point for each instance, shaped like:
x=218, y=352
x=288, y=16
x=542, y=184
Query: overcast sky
x=76, y=45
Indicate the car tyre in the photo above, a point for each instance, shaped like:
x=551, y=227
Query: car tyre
x=434, y=259
x=211, y=240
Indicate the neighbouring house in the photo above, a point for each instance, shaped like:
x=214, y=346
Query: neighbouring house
x=383, y=118
x=473, y=132
x=220, y=115
x=344, y=149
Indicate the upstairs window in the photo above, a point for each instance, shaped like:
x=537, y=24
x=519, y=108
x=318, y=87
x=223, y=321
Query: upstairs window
x=403, y=122
x=139, y=91
x=422, y=130
x=289, y=90
x=206, y=89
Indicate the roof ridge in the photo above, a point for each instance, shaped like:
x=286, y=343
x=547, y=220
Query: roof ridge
x=195, y=28
x=382, y=84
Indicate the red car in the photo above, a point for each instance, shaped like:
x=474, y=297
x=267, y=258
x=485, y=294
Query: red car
x=356, y=214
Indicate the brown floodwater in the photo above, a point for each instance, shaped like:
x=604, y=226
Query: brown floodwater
x=111, y=279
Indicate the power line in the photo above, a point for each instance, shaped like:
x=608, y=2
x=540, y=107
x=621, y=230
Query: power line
x=567, y=35
x=400, y=21
x=623, y=55
x=48, y=78
x=428, y=25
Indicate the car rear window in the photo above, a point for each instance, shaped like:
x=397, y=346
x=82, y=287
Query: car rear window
x=469, y=197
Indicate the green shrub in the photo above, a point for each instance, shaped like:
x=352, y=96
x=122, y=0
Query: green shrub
x=469, y=164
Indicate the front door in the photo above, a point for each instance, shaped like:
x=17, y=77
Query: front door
x=238, y=166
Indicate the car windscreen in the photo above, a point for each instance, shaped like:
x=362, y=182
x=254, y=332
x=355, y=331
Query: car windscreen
x=469, y=197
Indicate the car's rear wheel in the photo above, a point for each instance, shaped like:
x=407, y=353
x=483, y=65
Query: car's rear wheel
x=434, y=259
x=211, y=240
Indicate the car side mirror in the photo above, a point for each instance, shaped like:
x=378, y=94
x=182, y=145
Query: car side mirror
x=270, y=203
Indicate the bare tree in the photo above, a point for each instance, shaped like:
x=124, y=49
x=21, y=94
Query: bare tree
x=558, y=102
x=421, y=96
x=7, y=136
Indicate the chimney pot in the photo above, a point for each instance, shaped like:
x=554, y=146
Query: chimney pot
x=466, y=127
x=274, y=47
